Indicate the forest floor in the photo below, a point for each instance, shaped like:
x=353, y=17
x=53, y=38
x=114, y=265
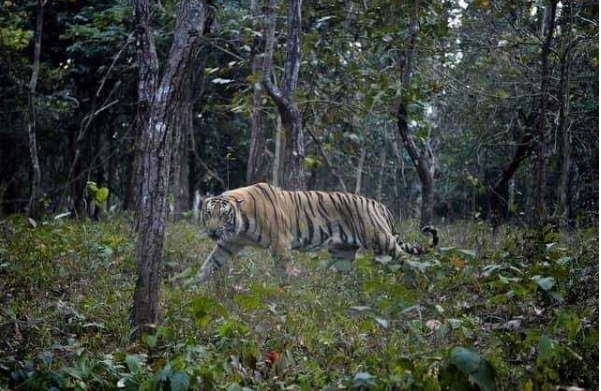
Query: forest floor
x=504, y=312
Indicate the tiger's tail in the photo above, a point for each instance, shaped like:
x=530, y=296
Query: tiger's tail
x=416, y=249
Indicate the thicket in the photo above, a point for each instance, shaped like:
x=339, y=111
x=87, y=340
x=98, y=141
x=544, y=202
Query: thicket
x=503, y=312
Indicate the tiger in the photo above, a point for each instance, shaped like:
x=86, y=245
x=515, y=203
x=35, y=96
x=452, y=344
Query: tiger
x=264, y=216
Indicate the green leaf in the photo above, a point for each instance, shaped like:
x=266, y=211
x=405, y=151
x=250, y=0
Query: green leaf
x=547, y=348
x=101, y=195
x=382, y=322
x=471, y=253
x=205, y=308
x=545, y=283
x=359, y=309
x=363, y=379
x=92, y=186
x=134, y=364
x=383, y=259
x=150, y=340
x=466, y=360
x=477, y=368
x=180, y=381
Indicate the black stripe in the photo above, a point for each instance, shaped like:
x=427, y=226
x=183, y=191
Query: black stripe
x=245, y=220
x=297, y=206
x=322, y=235
x=310, y=226
x=255, y=212
x=343, y=236
x=227, y=251
x=352, y=220
x=216, y=262
x=362, y=234
x=387, y=242
x=329, y=227
x=347, y=219
x=320, y=207
x=368, y=212
x=272, y=204
x=309, y=203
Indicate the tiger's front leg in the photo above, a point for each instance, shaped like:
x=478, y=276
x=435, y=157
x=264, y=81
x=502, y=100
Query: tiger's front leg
x=283, y=259
x=218, y=258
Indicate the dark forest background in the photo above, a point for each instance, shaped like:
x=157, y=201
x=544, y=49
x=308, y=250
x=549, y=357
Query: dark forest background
x=473, y=103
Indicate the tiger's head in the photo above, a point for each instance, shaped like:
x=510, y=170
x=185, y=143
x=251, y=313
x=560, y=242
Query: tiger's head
x=219, y=217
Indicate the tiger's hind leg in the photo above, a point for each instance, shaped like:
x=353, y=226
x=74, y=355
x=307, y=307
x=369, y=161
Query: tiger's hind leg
x=387, y=244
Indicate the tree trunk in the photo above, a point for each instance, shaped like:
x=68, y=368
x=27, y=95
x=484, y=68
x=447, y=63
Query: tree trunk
x=280, y=150
x=380, y=181
x=539, y=173
x=182, y=122
x=157, y=103
x=283, y=96
x=563, y=131
x=360, y=169
x=255, y=169
x=35, y=207
x=522, y=151
x=420, y=161
x=148, y=79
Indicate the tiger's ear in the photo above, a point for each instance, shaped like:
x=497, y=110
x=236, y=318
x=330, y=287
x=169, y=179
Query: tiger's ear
x=240, y=201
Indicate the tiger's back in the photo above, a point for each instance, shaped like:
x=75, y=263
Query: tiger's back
x=307, y=220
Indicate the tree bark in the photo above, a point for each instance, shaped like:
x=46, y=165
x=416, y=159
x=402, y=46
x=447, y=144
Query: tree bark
x=277, y=175
x=420, y=160
x=360, y=169
x=148, y=79
x=182, y=122
x=283, y=96
x=35, y=206
x=563, y=131
x=255, y=169
x=523, y=150
x=380, y=181
x=539, y=172
x=157, y=102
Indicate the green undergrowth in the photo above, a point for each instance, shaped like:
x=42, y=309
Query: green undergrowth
x=480, y=312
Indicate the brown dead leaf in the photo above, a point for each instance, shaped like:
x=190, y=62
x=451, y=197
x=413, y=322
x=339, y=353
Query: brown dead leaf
x=457, y=262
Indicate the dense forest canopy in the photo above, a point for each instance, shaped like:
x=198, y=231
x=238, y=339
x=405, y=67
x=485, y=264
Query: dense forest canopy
x=474, y=121
x=472, y=101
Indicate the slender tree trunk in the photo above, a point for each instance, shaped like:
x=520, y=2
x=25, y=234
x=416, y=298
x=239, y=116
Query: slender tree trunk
x=148, y=79
x=278, y=160
x=360, y=169
x=258, y=133
x=283, y=96
x=35, y=207
x=538, y=205
x=563, y=132
x=420, y=160
x=380, y=181
x=182, y=196
x=158, y=101
x=182, y=122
